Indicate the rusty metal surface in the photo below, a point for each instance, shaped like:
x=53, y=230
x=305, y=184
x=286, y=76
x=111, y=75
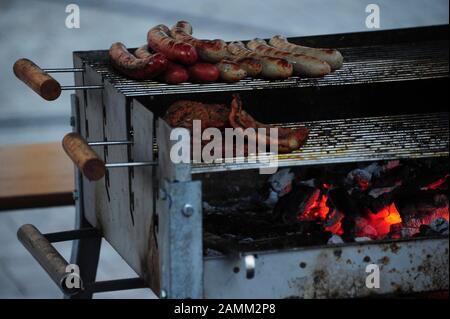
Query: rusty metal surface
x=333, y=271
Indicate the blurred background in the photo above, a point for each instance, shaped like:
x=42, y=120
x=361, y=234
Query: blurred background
x=37, y=30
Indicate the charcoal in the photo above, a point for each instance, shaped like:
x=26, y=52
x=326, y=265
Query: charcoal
x=290, y=205
x=339, y=198
x=335, y=204
x=278, y=185
x=377, y=192
x=440, y=225
x=426, y=231
x=410, y=204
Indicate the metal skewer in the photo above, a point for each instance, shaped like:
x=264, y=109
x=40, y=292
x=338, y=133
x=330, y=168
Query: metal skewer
x=130, y=164
x=81, y=87
x=109, y=143
x=63, y=70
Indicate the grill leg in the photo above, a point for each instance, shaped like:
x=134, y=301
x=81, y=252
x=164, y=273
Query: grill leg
x=85, y=254
x=85, y=251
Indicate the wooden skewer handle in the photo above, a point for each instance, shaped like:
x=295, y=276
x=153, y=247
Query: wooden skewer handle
x=84, y=156
x=37, y=79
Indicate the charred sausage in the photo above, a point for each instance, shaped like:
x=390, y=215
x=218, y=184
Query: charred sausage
x=159, y=40
x=272, y=68
x=230, y=71
x=333, y=57
x=303, y=64
x=252, y=66
x=288, y=139
x=211, y=51
x=147, y=67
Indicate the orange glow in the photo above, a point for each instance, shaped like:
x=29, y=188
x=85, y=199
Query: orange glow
x=316, y=209
x=381, y=222
x=336, y=228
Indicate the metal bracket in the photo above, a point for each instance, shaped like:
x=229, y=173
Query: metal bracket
x=180, y=229
x=40, y=247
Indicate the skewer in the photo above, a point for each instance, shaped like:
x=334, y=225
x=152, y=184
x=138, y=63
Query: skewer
x=89, y=163
x=130, y=164
x=110, y=143
x=63, y=70
x=42, y=83
x=81, y=87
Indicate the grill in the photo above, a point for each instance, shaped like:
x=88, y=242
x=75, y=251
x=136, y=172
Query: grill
x=151, y=210
x=358, y=140
x=366, y=64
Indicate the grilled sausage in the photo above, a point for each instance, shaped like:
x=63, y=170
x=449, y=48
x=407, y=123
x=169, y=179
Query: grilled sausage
x=203, y=73
x=288, y=139
x=272, y=68
x=303, y=64
x=230, y=71
x=175, y=74
x=177, y=51
x=333, y=57
x=211, y=51
x=252, y=66
x=147, y=67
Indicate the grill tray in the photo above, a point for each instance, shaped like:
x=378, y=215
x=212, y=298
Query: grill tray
x=364, y=64
x=391, y=56
x=358, y=140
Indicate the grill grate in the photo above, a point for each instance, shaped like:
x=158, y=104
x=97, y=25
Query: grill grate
x=355, y=140
x=366, y=64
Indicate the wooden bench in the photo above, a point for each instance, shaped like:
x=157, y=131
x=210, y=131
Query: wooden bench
x=35, y=175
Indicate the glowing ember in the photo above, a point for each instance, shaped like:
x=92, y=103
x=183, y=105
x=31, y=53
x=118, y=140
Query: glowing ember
x=316, y=208
x=334, y=222
x=377, y=226
x=436, y=184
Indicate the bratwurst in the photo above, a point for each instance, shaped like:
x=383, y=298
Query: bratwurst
x=303, y=64
x=211, y=51
x=158, y=38
x=146, y=67
x=333, y=57
x=272, y=68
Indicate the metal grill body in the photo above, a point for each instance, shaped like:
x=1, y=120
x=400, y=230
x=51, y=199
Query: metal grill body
x=153, y=216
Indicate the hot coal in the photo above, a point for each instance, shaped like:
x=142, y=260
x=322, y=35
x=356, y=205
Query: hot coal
x=334, y=204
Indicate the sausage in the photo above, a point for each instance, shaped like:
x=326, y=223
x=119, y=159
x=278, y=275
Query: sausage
x=272, y=68
x=147, y=67
x=175, y=73
x=252, y=66
x=333, y=57
x=203, y=73
x=230, y=71
x=211, y=51
x=288, y=139
x=177, y=51
x=303, y=64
